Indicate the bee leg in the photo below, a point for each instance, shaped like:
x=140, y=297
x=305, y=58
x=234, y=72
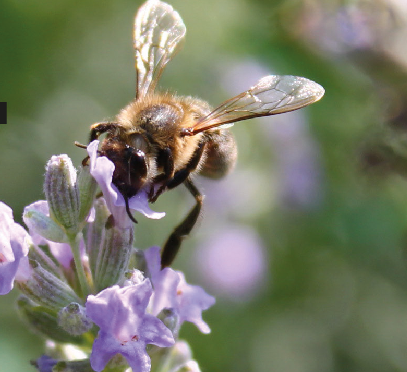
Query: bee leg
x=181, y=175
x=173, y=243
x=166, y=160
x=99, y=128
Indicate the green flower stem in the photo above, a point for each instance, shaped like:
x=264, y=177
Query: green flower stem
x=80, y=271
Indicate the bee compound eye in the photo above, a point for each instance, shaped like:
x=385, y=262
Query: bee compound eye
x=138, y=144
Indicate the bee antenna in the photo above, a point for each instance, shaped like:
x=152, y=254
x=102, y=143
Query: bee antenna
x=80, y=145
x=126, y=201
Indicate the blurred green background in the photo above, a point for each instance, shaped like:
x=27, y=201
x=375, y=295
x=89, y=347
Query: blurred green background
x=317, y=278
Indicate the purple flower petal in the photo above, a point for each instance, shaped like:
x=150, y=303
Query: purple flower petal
x=14, y=245
x=192, y=301
x=165, y=282
x=102, y=170
x=125, y=328
x=155, y=332
x=165, y=291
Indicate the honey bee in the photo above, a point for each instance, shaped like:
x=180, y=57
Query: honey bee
x=159, y=139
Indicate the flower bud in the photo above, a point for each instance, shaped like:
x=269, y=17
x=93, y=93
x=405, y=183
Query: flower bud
x=44, y=322
x=114, y=254
x=87, y=187
x=96, y=231
x=169, y=317
x=42, y=255
x=73, y=319
x=61, y=191
x=41, y=224
x=73, y=366
x=46, y=289
x=139, y=262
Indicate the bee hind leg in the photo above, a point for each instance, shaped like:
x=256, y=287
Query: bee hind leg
x=173, y=243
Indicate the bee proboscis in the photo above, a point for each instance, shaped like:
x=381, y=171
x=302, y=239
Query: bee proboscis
x=158, y=140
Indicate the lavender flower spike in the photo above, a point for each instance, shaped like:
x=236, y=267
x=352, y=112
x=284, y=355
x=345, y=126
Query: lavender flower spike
x=101, y=168
x=125, y=328
x=14, y=245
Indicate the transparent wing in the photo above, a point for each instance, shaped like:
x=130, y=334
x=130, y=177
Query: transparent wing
x=158, y=30
x=271, y=95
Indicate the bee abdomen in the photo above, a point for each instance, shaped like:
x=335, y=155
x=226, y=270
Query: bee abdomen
x=220, y=154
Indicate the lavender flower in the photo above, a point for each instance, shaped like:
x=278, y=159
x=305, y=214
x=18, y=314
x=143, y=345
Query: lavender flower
x=14, y=246
x=172, y=291
x=125, y=328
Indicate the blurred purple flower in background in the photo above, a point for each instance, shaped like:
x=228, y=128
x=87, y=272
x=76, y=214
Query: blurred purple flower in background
x=299, y=180
x=379, y=26
x=233, y=263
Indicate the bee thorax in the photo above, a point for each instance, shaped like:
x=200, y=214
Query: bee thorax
x=159, y=117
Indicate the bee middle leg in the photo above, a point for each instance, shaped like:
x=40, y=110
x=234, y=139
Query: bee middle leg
x=173, y=243
x=168, y=178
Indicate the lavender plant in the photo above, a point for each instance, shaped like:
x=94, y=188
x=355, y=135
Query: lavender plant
x=100, y=303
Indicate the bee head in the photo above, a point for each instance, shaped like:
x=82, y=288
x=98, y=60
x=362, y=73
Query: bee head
x=129, y=158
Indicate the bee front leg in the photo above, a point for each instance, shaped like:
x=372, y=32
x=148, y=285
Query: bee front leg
x=166, y=161
x=99, y=128
x=173, y=243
